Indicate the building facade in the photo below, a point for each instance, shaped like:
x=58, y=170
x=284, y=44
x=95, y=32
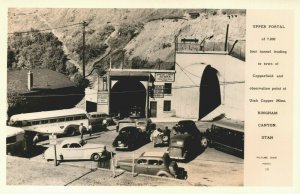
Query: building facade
x=203, y=85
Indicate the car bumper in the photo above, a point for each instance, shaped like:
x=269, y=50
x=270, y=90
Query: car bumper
x=177, y=157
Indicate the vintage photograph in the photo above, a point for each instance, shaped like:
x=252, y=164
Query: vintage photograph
x=125, y=97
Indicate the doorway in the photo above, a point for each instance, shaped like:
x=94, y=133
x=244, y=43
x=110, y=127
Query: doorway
x=128, y=96
x=153, y=109
x=210, y=95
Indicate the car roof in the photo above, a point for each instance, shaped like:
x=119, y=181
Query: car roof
x=47, y=114
x=71, y=140
x=230, y=124
x=129, y=128
x=185, y=121
x=12, y=131
x=91, y=113
x=153, y=154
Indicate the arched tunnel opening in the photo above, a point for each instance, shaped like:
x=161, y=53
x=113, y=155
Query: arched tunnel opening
x=128, y=96
x=210, y=95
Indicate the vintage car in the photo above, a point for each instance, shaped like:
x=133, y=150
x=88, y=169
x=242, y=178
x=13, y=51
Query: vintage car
x=187, y=142
x=15, y=141
x=77, y=149
x=227, y=135
x=130, y=138
x=99, y=120
x=153, y=163
x=144, y=124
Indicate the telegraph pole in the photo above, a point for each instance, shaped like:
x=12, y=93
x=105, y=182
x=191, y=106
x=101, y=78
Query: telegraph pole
x=84, y=24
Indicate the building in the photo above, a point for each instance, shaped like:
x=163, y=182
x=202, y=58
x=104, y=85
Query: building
x=41, y=90
x=124, y=91
x=203, y=85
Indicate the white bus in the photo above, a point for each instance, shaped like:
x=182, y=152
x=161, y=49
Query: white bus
x=66, y=121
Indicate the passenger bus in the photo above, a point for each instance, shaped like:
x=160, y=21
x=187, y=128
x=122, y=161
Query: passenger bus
x=227, y=135
x=15, y=141
x=65, y=121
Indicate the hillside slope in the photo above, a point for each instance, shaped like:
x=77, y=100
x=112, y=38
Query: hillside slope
x=122, y=34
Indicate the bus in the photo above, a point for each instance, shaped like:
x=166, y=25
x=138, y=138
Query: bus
x=15, y=141
x=227, y=135
x=65, y=121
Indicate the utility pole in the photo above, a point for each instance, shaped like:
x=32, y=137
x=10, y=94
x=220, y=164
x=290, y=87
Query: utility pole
x=84, y=24
x=226, y=38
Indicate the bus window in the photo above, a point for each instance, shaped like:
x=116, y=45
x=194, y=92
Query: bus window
x=69, y=119
x=44, y=121
x=61, y=119
x=53, y=120
x=77, y=118
x=35, y=122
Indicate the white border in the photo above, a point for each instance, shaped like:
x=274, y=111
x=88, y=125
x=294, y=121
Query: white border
x=237, y=4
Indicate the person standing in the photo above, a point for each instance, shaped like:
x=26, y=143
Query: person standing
x=81, y=128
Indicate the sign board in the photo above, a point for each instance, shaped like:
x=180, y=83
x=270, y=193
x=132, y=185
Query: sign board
x=102, y=98
x=52, y=139
x=164, y=77
x=158, y=91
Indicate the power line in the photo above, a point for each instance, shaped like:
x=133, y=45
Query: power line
x=185, y=73
x=47, y=29
x=127, y=91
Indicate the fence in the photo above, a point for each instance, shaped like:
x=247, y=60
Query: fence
x=235, y=49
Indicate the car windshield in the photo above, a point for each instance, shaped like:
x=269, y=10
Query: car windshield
x=141, y=123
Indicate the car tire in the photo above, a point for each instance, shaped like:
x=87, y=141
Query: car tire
x=95, y=157
x=71, y=131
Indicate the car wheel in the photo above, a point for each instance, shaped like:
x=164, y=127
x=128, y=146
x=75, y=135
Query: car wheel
x=95, y=157
x=71, y=131
x=204, y=142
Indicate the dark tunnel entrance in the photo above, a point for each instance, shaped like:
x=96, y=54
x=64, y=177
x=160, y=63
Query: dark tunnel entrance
x=210, y=96
x=128, y=97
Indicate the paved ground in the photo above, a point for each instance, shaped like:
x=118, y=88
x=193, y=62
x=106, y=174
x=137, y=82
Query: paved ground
x=21, y=171
x=212, y=167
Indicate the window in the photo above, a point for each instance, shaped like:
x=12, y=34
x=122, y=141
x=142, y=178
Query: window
x=168, y=88
x=61, y=119
x=53, y=120
x=142, y=161
x=167, y=105
x=35, y=122
x=66, y=145
x=77, y=118
x=69, y=119
x=75, y=145
x=153, y=162
x=44, y=121
x=11, y=139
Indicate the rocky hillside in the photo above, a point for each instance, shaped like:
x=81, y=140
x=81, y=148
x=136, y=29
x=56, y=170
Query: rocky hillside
x=128, y=36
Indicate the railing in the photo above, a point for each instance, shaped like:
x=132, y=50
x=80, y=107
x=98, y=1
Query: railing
x=235, y=49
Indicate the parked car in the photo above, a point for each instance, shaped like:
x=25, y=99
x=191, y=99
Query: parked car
x=144, y=124
x=99, y=120
x=227, y=135
x=15, y=141
x=187, y=142
x=130, y=138
x=77, y=149
x=153, y=163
